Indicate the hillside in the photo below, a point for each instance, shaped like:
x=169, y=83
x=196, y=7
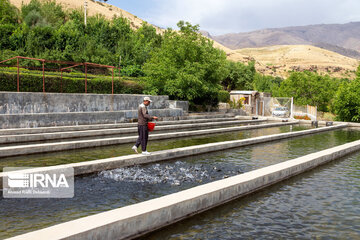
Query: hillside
x=343, y=51
x=279, y=60
x=326, y=48
x=329, y=36
x=96, y=7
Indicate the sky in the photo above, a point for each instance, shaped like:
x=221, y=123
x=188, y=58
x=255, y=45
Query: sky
x=233, y=16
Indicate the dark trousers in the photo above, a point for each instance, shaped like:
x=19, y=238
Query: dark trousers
x=143, y=137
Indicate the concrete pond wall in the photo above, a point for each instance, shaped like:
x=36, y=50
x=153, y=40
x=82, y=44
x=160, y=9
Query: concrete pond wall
x=30, y=102
x=184, y=105
x=28, y=109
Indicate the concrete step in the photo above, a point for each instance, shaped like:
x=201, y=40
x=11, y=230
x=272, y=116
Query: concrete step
x=16, y=131
x=208, y=115
x=7, y=139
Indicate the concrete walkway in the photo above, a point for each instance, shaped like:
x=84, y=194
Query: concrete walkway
x=19, y=138
x=15, y=131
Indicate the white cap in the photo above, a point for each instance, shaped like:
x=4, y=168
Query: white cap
x=147, y=99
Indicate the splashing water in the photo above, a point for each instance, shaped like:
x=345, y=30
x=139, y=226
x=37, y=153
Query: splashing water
x=173, y=173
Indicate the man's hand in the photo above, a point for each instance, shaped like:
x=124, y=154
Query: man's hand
x=155, y=118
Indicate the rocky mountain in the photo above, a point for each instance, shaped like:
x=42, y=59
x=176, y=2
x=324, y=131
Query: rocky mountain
x=280, y=60
x=343, y=51
x=341, y=38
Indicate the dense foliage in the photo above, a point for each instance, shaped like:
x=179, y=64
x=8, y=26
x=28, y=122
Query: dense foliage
x=268, y=84
x=44, y=30
x=32, y=81
x=239, y=76
x=347, y=100
x=186, y=66
x=182, y=64
x=310, y=88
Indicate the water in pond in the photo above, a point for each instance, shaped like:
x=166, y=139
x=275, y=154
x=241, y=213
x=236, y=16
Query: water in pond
x=88, y=154
x=321, y=204
x=120, y=187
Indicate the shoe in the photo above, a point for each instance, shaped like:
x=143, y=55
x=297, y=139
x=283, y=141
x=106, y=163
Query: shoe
x=135, y=149
x=146, y=153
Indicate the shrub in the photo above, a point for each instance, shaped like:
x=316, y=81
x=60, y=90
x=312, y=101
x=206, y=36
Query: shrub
x=237, y=104
x=224, y=96
x=34, y=83
x=132, y=71
x=347, y=102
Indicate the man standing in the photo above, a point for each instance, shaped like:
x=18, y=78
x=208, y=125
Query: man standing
x=143, y=119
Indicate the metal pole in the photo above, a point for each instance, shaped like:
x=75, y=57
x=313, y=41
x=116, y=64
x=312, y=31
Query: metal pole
x=44, y=76
x=61, y=89
x=85, y=78
x=119, y=68
x=85, y=8
x=112, y=84
x=18, y=75
x=263, y=111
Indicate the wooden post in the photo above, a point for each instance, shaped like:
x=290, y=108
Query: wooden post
x=18, y=75
x=112, y=84
x=44, y=76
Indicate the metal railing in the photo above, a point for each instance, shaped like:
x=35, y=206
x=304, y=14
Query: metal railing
x=73, y=65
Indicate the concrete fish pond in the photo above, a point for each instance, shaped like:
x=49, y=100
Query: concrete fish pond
x=320, y=204
x=81, y=155
x=113, y=194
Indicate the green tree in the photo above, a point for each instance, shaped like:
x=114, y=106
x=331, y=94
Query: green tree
x=346, y=104
x=8, y=23
x=68, y=36
x=186, y=66
x=19, y=36
x=310, y=88
x=6, y=31
x=39, y=39
x=145, y=40
x=142, y=43
x=8, y=13
x=53, y=13
x=43, y=13
x=239, y=76
x=31, y=13
x=269, y=84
